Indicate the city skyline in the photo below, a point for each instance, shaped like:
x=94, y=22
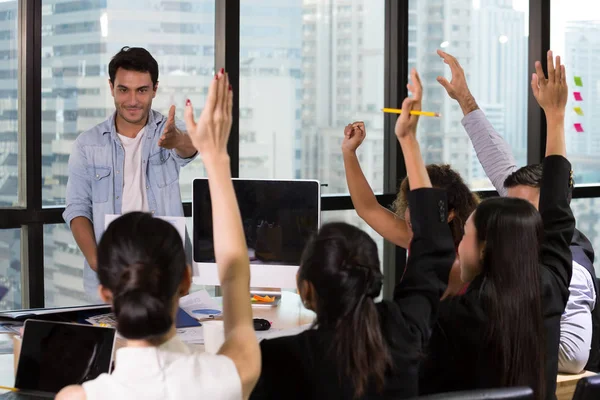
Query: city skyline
x=307, y=68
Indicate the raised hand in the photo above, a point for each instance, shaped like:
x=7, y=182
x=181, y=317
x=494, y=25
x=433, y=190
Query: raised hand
x=415, y=87
x=354, y=134
x=211, y=133
x=406, y=124
x=457, y=88
x=552, y=93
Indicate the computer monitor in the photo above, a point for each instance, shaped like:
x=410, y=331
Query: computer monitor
x=279, y=217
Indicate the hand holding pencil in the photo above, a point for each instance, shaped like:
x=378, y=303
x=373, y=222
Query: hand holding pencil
x=413, y=112
x=406, y=125
x=416, y=89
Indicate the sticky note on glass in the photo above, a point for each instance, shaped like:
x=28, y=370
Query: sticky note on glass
x=578, y=96
x=578, y=128
x=578, y=110
x=578, y=81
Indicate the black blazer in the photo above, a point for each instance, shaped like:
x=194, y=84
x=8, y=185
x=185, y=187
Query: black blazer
x=456, y=357
x=300, y=367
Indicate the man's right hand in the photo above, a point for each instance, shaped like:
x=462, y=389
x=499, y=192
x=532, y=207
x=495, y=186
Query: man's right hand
x=457, y=88
x=354, y=134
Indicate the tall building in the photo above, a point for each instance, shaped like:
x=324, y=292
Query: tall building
x=499, y=68
x=434, y=24
x=10, y=239
x=582, y=45
x=488, y=39
x=342, y=83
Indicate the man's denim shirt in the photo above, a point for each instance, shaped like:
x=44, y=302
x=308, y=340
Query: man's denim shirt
x=95, y=185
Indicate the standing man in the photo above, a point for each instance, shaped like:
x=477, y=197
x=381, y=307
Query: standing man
x=130, y=162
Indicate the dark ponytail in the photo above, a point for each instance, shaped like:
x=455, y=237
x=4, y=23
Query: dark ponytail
x=342, y=263
x=141, y=260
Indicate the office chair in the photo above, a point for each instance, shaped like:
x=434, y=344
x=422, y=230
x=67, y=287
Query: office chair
x=588, y=388
x=513, y=393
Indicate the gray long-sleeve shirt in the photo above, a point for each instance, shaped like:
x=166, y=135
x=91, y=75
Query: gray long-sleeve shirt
x=497, y=161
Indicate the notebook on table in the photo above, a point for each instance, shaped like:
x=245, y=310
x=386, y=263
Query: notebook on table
x=58, y=354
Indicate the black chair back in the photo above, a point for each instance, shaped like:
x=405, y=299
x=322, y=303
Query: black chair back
x=588, y=388
x=513, y=393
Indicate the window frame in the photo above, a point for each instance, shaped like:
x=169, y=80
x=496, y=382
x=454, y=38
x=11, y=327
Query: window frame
x=32, y=217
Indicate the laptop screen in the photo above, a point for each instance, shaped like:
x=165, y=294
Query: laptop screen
x=57, y=354
x=279, y=217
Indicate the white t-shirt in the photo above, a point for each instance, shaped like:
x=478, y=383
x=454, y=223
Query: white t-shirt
x=135, y=196
x=170, y=371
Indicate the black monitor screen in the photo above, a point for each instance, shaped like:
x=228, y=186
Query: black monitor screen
x=55, y=355
x=278, y=217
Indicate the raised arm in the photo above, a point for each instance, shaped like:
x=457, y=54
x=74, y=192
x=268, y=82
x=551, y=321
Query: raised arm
x=382, y=220
x=493, y=152
x=210, y=137
x=432, y=248
x=559, y=223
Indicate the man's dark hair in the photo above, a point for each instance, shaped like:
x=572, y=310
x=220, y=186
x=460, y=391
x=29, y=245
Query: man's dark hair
x=134, y=59
x=529, y=175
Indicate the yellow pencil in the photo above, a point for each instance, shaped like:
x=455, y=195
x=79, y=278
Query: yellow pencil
x=8, y=388
x=421, y=113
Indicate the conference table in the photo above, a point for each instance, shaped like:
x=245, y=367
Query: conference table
x=289, y=315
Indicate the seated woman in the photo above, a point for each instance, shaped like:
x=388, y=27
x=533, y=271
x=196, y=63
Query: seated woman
x=357, y=348
x=143, y=273
x=394, y=225
x=505, y=330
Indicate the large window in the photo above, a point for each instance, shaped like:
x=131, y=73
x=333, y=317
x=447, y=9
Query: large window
x=489, y=38
x=307, y=69
x=575, y=35
x=9, y=121
x=79, y=39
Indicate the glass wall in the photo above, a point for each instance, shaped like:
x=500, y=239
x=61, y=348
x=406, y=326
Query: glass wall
x=575, y=35
x=307, y=69
x=78, y=42
x=489, y=38
x=10, y=173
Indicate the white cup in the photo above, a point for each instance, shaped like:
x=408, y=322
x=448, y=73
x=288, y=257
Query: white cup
x=214, y=336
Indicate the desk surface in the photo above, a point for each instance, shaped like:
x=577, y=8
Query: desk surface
x=289, y=314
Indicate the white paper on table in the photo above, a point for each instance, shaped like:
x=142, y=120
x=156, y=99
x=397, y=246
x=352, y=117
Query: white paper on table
x=200, y=305
x=177, y=222
x=192, y=335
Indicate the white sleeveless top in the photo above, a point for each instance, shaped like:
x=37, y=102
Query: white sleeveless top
x=169, y=371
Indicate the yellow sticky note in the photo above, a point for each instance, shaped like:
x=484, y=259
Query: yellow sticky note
x=578, y=110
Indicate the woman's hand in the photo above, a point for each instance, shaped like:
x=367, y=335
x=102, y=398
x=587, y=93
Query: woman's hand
x=354, y=134
x=211, y=133
x=406, y=124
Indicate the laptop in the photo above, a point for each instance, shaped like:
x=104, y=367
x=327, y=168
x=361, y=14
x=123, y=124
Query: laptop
x=58, y=354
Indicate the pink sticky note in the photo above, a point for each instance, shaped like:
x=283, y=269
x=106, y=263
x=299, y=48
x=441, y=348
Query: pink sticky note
x=577, y=96
x=578, y=128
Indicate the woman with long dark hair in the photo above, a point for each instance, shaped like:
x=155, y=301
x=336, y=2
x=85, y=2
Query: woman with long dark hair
x=142, y=272
x=505, y=330
x=360, y=349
